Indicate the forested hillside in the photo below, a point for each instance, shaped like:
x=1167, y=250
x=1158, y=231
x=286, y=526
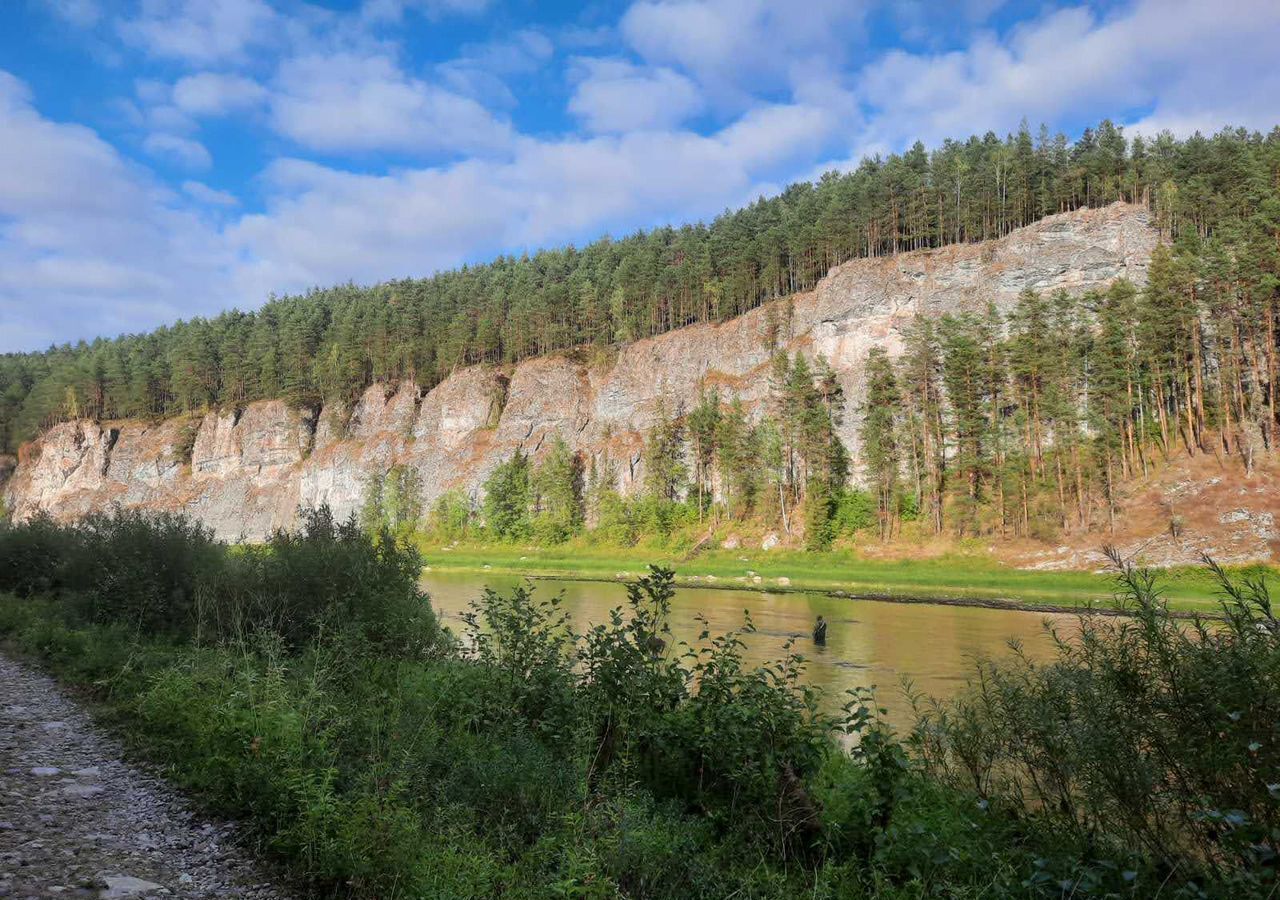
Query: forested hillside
x=1214, y=198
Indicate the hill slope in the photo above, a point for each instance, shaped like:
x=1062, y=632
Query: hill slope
x=245, y=472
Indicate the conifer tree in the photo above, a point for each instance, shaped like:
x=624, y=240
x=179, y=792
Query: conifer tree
x=881, y=458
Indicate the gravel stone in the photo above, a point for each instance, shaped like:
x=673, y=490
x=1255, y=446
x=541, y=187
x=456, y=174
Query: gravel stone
x=103, y=827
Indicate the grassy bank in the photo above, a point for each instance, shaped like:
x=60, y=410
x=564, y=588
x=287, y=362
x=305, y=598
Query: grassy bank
x=305, y=688
x=965, y=577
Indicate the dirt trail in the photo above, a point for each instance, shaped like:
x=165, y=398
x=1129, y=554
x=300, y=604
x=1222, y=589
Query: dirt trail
x=77, y=821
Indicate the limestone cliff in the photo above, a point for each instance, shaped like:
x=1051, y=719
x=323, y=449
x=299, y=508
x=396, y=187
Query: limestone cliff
x=247, y=472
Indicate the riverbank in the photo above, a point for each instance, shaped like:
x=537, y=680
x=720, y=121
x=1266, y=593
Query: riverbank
x=957, y=579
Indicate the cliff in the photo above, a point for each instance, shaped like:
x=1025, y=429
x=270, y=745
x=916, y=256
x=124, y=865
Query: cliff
x=246, y=472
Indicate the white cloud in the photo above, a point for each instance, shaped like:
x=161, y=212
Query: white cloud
x=185, y=152
x=323, y=225
x=1194, y=64
x=737, y=46
x=202, y=193
x=81, y=13
x=481, y=70
x=345, y=101
x=214, y=94
x=201, y=32
x=394, y=10
x=90, y=244
x=615, y=96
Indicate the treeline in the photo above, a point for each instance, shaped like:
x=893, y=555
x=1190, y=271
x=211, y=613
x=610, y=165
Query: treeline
x=1027, y=424
x=1022, y=423
x=327, y=345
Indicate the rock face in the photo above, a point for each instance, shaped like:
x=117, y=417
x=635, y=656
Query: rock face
x=246, y=473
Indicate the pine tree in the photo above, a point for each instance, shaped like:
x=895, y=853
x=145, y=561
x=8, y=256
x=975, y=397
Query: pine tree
x=704, y=433
x=507, y=498
x=557, y=487
x=881, y=458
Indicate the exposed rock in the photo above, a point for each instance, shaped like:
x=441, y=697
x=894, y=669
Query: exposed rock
x=116, y=887
x=249, y=470
x=731, y=543
x=770, y=541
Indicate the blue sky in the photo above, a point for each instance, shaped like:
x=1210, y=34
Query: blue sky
x=161, y=159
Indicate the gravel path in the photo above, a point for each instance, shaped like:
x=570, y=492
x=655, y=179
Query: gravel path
x=76, y=821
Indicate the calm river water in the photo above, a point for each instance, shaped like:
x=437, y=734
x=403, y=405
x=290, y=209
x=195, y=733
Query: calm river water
x=868, y=642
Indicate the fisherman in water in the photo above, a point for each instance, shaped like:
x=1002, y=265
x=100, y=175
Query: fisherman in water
x=820, y=632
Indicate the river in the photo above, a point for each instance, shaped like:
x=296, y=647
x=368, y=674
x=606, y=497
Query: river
x=869, y=642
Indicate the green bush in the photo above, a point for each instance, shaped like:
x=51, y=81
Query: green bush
x=32, y=555
x=331, y=577
x=148, y=571
x=855, y=510
x=308, y=692
x=158, y=573
x=1146, y=732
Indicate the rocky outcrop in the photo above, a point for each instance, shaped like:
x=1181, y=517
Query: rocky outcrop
x=248, y=471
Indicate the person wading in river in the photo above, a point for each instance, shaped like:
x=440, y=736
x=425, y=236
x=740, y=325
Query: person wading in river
x=820, y=631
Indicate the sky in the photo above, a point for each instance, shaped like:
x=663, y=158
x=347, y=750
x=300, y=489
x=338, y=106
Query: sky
x=164, y=159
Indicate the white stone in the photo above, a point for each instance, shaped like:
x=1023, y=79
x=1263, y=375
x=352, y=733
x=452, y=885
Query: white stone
x=116, y=887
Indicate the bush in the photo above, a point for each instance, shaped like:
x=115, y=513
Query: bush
x=332, y=577
x=32, y=555
x=855, y=510
x=151, y=572
x=1146, y=732
x=158, y=573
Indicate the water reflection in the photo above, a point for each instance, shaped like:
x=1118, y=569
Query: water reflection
x=869, y=643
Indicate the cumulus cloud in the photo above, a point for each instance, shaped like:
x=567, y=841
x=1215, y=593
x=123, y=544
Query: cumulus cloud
x=323, y=225
x=346, y=101
x=201, y=31
x=481, y=70
x=202, y=193
x=1195, y=65
x=98, y=244
x=89, y=243
x=394, y=10
x=185, y=152
x=215, y=94
x=614, y=95
x=739, y=46
x=82, y=13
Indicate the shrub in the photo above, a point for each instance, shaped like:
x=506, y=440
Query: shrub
x=158, y=573
x=1147, y=731
x=32, y=555
x=148, y=571
x=855, y=510
x=332, y=577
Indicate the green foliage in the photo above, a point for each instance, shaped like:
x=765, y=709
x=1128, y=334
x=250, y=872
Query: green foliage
x=664, y=468
x=881, y=424
x=855, y=511
x=528, y=759
x=1147, y=732
x=507, y=497
x=330, y=344
x=392, y=501
x=450, y=518
x=557, y=487
x=164, y=574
